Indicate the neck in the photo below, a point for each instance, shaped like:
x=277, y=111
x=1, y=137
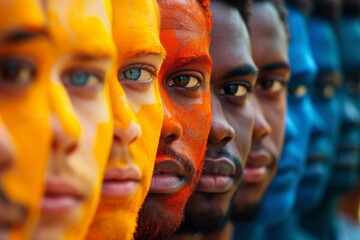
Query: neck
x=249, y=231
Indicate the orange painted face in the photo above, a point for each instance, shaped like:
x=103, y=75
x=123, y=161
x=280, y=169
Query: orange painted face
x=25, y=114
x=131, y=162
x=184, y=85
x=82, y=122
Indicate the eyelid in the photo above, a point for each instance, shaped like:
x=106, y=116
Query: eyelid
x=245, y=84
x=194, y=74
x=142, y=66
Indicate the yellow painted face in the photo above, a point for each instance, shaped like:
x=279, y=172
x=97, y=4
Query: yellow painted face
x=130, y=166
x=25, y=114
x=82, y=124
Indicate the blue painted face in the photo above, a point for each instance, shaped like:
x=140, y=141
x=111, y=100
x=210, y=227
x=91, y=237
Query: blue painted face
x=280, y=198
x=346, y=171
x=326, y=102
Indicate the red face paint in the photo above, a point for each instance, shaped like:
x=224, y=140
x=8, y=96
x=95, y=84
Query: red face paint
x=184, y=86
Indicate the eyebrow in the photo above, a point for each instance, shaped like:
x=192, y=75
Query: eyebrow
x=241, y=71
x=18, y=36
x=183, y=61
x=275, y=66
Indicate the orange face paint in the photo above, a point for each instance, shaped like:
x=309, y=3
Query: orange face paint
x=128, y=174
x=184, y=86
x=25, y=113
x=82, y=122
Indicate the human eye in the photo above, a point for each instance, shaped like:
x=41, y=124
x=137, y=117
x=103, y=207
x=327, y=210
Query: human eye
x=298, y=91
x=327, y=91
x=186, y=81
x=271, y=85
x=137, y=76
x=83, y=81
x=16, y=72
x=237, y=90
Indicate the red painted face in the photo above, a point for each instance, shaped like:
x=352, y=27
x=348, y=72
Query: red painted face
x=184, y=87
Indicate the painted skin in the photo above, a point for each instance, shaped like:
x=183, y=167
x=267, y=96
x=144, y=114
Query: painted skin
x=82, y=122
x=280, y=197
x=184, y=86
x=233, y=78
x=25, y=115
x=128, y=174
x=270, y=53
x=326, y=100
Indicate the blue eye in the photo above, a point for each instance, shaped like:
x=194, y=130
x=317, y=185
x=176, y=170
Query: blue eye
x=132, y=74
x=79, y=79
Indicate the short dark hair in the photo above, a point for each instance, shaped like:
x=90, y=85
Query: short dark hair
x=327, y=10
x=351, y=8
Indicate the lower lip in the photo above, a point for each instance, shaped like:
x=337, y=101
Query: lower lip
x=59, y=204
x=254, y=175
x=214, y=184
x=166, y=183
x=119, y=188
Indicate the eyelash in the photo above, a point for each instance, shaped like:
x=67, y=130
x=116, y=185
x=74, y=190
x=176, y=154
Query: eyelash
x=136, y=83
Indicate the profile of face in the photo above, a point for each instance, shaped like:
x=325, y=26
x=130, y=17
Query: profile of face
x=280, y=197
x=270, y=53
x=185, y=91
x=233, y=77
x=347, y=170
x=136, y=30
x=326, y=101
x=25, y=115
x=82, y=123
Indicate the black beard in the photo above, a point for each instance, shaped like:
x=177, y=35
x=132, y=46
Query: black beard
x=247, y=214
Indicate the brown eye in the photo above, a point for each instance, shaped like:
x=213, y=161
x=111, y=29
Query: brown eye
x=235, y=90
x=298, y=91
x=271, y=85
x=185, y=81
x=16, y=72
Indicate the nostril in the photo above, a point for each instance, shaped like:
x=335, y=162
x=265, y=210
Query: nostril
x=170, y=138
x=70, y=149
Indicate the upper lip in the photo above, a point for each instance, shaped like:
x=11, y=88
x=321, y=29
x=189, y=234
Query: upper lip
x=259, y=159
x=219, y=166
x=169, y=166
x=129, y=172
x=60, y=187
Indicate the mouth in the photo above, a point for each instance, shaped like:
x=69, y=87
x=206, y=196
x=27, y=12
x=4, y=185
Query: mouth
x=316, y=158
x=121, y=181
x=348, y=156
x=169, y=177
x=217, y=176
x=256, y=168
x=11, y=214
x=60, y=197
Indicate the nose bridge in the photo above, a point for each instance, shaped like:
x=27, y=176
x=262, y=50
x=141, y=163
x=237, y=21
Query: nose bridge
x=171, y=129
x=221, y=131
x=261, y=125
x=63, y=110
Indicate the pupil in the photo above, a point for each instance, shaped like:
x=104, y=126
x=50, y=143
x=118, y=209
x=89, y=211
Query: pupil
x=79, y=78
x=10, y=69
x=133, y=74
x=182, y=80
x=231, y=89
x=267, y=83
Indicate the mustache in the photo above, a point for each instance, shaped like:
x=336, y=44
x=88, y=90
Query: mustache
x=183, y=160
x=225, y=153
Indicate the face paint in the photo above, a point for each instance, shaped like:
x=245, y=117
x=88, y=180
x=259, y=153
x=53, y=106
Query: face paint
x=140, y=54
x=346, y=171
x=184, y=87
x=232, y=79
x=82, y=122
x=25, y=114
x=270, y=53
x=323, y=139
x=280, y=197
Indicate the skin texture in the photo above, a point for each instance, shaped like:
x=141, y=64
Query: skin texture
x=280, y=198
x=233, y=77
x=82, y=122
x=25, y=115
x=270, y=54
x=321, y=155
x=136, y=34
x=184, y=87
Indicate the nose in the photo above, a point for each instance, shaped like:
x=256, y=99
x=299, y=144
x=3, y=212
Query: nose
x=7, y=152
x=221, y=132
x=124, y=137
x=351, y=115
x=65, y=125
x=318, y=124
x=171, y=129
x=261, y=126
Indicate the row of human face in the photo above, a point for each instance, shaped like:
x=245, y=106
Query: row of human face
x=60, y=84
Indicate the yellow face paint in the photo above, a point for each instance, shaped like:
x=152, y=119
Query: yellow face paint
x=24, y=110
x=82, y=122
x=130, y=166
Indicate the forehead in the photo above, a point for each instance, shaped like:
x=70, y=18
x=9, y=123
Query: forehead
x=136, y=28
x=20, y=15
x=267, y=34
x=82, y=26
x=229, y=38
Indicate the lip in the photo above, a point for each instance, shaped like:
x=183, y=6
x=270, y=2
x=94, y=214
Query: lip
x=168, y=176
x=10, y=213
x=60, y=197
x=256, y=168
x=217, y=176
x=348, y=156
x=121, y=181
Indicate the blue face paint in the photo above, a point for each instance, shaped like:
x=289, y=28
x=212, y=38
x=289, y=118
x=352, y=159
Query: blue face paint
x=346, y=171
x=326, y=102
x=280, y=197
